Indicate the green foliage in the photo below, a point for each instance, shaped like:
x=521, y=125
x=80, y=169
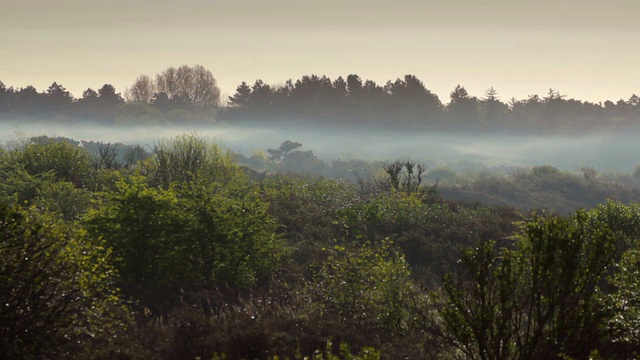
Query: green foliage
x=31, y=164
x=306, y=211
x=233, y=238
x=56, y=287
x=222, y=263
x=64, y=199
x=544, y=170
x=541, y=187
x=189, y=158
x=431, y=232
x=625, y=301
x=67, y=162
x=306, y=208
x=198, y=234
x=17, y=186
x=366, y=353
x=365, y=288
x=146, y=230
x=539, y=300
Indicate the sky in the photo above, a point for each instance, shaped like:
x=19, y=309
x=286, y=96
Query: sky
x=585, y=49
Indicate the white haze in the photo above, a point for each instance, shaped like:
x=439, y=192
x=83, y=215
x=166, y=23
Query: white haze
x=607, y=152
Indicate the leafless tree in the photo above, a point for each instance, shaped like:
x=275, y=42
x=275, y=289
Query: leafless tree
x=196, y=83
x=142, y=90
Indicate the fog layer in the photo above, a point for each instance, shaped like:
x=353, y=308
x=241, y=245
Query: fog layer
x=616, y=152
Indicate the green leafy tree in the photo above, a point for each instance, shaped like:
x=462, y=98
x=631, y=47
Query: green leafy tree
x=31, y=163
x=624, y=303
x=63, y=199
x=366, y=287
x=536, y=301
x=285, y=149
x=57, y=289
x=205, y=225
x=147, y=232
x=233, y=240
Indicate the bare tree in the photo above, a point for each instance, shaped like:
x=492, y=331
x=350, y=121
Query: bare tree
x=107, y=157
x=142, y=90
x=195, y=83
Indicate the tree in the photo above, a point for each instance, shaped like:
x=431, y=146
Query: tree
x=108, y=97
x=261, y=97
x=187, y=159
x=410, y=99
x=89, y=95
x=234, y=241
x=402, y=176
x=354, y=85
x=463, y=109
x=4, y=97
x=59, y=98
x=162, y=102
x=491, y=94
x=340, y=87
x=539, y=300
x=285, y=149
x=196, y=83
x=60, y=158
x=624, y=304
x=57, y=289
x=28, y=101
x=190, y=234
x=492, y=110
x=366, y=289
x=149, y=240
x=142, y=90
x=411, y=89
x=242, y=96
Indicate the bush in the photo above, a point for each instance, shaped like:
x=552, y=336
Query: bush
x=56, y=288
x=189, y=158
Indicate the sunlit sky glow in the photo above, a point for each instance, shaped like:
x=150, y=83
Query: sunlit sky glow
x=585, y=49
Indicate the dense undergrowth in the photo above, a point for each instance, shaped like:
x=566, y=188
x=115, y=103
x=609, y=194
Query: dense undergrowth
x=109, y=252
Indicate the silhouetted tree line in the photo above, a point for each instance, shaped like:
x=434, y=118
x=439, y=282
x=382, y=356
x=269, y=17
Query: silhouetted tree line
x=175, y=95
x=189, y=93
x=56, y=102
x=407, y=102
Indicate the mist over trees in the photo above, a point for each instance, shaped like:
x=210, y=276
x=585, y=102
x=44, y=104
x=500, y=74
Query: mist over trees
x=191, y=94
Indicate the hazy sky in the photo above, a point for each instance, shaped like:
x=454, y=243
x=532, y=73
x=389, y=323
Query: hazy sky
x=585, y=49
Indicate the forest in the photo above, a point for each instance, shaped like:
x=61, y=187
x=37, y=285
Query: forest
x=191, y=95
x=184, y=249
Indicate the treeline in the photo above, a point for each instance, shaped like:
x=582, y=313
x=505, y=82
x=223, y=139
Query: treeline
x=407, y=103
x=187, y=94
x=182, y=254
